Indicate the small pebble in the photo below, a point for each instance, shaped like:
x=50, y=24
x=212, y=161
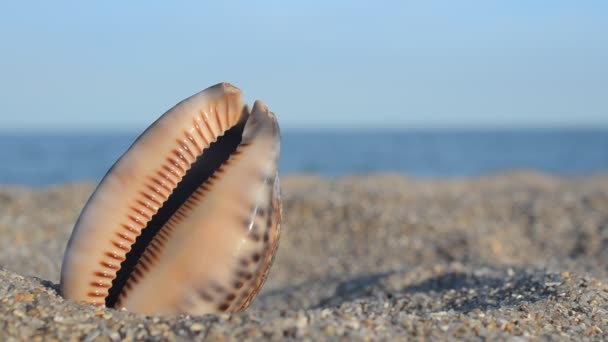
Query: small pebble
x=196, y=327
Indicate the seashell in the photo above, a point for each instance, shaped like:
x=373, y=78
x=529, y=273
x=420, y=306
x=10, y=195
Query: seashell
x=188, y=219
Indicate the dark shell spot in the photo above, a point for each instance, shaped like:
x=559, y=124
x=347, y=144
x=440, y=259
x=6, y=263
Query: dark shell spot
x=261, y=212
x=255, y=257
x=238, y=284
x=268, y=221
x=266, y=237
x=205, y=296
x=218, y=288
x=254, y=236
x=223, y=307
x=230, y=297
x=244, y=262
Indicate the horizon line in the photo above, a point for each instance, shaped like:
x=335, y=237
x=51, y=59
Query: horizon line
x=291, y=129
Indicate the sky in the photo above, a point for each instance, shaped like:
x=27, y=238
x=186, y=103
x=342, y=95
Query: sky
x=116, y=66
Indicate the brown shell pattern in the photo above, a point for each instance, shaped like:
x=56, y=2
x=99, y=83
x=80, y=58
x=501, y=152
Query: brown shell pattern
x=188, y=219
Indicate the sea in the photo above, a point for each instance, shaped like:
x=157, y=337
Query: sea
x=45, y=159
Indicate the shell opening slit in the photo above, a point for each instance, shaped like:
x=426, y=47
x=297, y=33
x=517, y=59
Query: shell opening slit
x=206, y=164
x=188, y=219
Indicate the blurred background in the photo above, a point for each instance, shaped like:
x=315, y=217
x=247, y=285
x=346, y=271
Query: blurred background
x=433, y=89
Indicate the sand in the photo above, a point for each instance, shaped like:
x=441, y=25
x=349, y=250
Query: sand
x=516, y=255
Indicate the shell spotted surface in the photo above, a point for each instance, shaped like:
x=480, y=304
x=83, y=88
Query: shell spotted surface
x=188, y=219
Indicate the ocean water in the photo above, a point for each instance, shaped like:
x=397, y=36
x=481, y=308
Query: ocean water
x=47, y=159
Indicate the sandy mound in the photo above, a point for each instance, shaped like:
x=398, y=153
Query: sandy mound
x=518, y=254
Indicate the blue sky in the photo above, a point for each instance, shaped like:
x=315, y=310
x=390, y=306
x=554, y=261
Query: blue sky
x=317, y=64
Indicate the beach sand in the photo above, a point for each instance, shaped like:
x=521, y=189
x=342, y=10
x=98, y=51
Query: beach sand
x=519, y=254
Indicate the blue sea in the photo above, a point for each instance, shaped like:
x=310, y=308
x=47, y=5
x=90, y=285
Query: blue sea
x=48, y=159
